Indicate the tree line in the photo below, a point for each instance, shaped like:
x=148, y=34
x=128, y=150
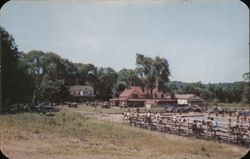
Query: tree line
x=38, y=76
x=215, y=92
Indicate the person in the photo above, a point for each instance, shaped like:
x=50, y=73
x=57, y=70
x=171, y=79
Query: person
x=245, y=117
x=148, y=114
x=238, y=117
x=214, y=123
x=138, y=110
x=174, y=117
x=200, y=127
x=194, y=127
x=203, y=122
x=229, y=123
x=237, y=113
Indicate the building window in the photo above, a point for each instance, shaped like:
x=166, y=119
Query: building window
x=134, y=95
x=155, y=95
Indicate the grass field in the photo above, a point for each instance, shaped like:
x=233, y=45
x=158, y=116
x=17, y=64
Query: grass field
x=113, y=110
x=72, y=135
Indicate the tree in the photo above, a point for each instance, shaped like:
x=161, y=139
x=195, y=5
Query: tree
x=16, y=85
x=118, y=88
x=49, y=73
x=153, y=72
x=107, y=77
x=246, y=90
x=53, y=90
x=36, y=69
x=126, y=78
x=246, y=76
x=87, y=74
x=71, y=73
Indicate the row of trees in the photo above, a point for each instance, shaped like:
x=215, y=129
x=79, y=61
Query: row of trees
x=219, y=92
x=45, y=76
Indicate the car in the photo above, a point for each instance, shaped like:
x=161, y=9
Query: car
x=72, y=104
x=45, y=107
x=105, y=105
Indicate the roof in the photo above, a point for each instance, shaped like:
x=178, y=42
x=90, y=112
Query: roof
x=165, y=100
x=127, y=92
x=119, y=99
x=80, y=87
x=187, y=96
x=136, y=100
x=149, y=101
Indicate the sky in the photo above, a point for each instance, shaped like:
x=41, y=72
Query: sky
x=203, y=40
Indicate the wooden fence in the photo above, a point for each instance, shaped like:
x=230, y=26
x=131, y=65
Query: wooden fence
x=205, y=129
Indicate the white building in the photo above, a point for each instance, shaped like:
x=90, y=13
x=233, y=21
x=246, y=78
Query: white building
x=188, y=99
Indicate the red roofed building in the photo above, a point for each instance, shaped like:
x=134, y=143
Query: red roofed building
x=135, y=97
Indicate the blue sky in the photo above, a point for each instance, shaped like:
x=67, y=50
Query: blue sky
x=203, y=40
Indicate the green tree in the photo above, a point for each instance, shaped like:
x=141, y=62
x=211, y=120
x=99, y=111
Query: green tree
x=154, y=73
x=87, y=74
x=15, y=84
x=49, y=73
x=36, y=69
x=118, y=88
x=71, y=73
x=107, y=77
x=126, y=78
x=246, y=90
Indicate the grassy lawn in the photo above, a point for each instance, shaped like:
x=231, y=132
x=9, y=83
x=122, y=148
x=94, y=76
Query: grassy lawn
x=53, y=135
x=117, y=110
x=99, y=110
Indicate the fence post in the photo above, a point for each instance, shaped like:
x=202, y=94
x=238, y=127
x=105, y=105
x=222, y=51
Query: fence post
x=179, y=128
x=207, y=131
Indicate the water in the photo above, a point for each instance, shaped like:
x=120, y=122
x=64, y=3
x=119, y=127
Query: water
x=221, y=121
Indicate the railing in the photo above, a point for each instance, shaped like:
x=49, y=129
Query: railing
x=229, y=133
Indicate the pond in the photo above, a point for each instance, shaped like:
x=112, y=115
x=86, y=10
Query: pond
x=220, y=121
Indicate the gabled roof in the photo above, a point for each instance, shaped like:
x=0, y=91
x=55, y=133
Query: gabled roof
x=127, y=92
x=80, y=87
x=187, y=96
x=136, y=89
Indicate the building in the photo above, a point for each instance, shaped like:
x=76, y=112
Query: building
x=137, y=97
x=133, y=96
x=81, y=93
x=188, y=99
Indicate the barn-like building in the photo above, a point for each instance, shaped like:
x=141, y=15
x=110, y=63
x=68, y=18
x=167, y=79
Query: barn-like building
x=135, y=96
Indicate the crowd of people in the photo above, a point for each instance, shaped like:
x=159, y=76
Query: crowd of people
x=103, y=104
x=237, y=124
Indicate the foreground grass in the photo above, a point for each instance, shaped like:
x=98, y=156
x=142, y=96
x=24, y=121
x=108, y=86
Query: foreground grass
x=116, y=139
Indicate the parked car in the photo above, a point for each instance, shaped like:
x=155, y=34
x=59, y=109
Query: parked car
x=45, y=108
x=72, y=104
x=105, y=105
